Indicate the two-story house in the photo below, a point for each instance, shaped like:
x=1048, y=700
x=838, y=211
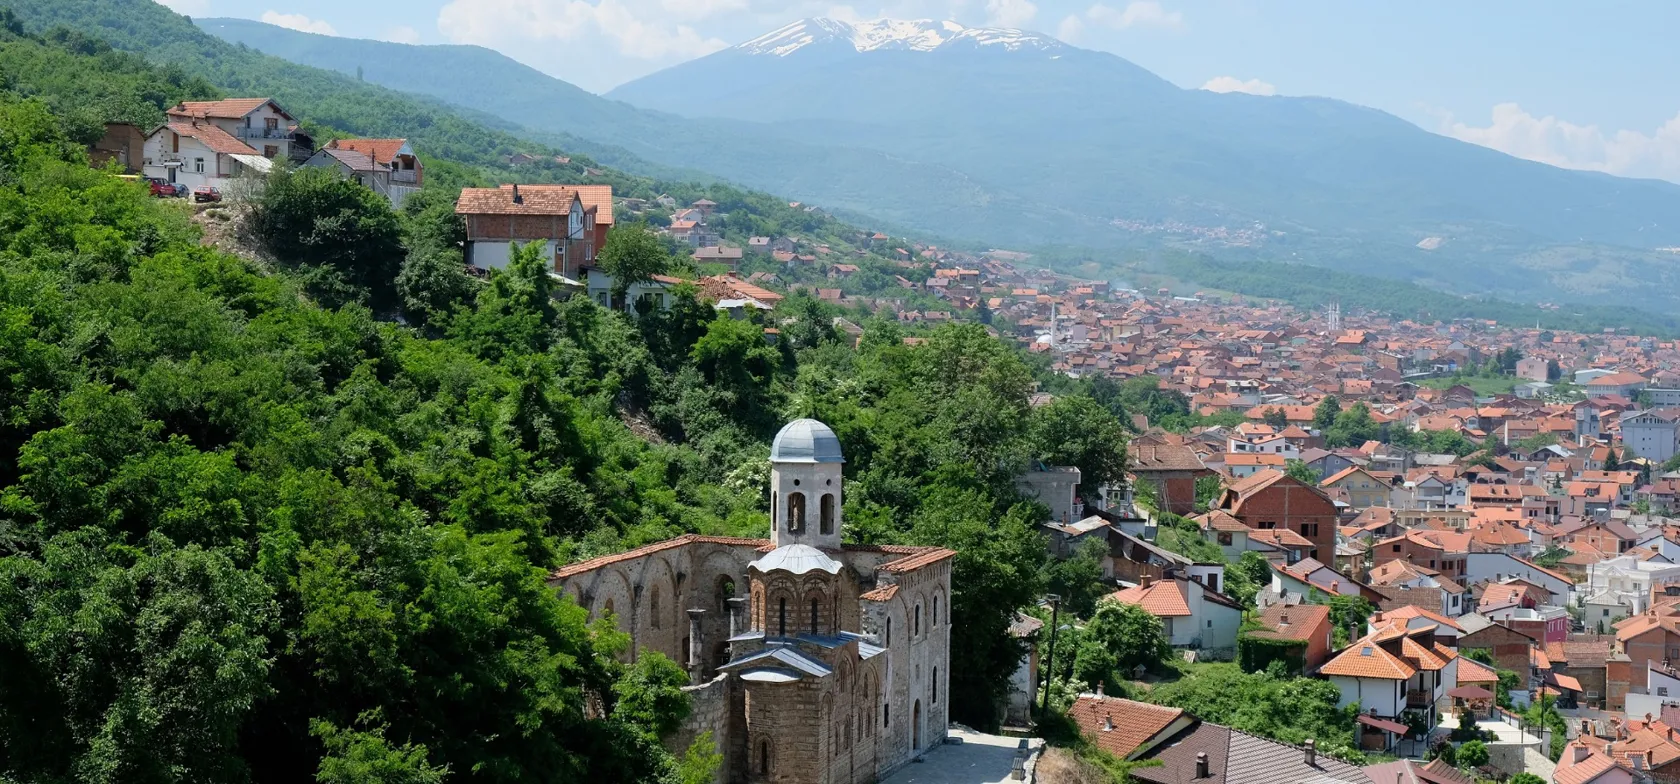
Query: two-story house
x=571, y=221
x=1653, y=434
x=1363, y=489
x=1194, y=615
x=388, y=166
x=1271, y=499
x=1393, y=670
x=211, y=142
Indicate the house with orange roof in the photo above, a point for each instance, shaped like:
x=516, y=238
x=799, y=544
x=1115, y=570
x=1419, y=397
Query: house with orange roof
x=1393, y=670
x=209, y=143
x=570, y=220
x=1580, y=764
x=1126, y=728
x=1407, y=584
x=1270, y=500
x=1195, y=616
x=1306, y=624
x=1364, y=490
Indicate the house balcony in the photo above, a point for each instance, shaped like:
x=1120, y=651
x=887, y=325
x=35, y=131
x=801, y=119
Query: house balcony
x=1419, y=698
x=405, y=175
x=280, y=134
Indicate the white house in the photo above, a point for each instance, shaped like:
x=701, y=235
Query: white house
x=1498, y=567
x=212, y=142
x=1195, y=616
x=1393, y=670
x=1629, y=582
x=1653, y=434
x=388, y=167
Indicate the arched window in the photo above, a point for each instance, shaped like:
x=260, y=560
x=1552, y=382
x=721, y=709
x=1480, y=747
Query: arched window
x=826, y=510
x=764, y=758
x=886, y=716
x=813, y=616
x=889, y=631
x=781, y=617
x=916, y=628
x=655, y=606
x=725, y=592
x=796, y=513
x=936, y=611
x=935, y=687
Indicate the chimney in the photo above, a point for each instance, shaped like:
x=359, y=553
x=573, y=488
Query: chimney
x=1376, y=617
x=1580, y=753
x=1108, y=723
x=1311, y=749
x=1099, y=690
x=1283, y=619
x=517, y=199
x=1202, y=765
x=1145, y=581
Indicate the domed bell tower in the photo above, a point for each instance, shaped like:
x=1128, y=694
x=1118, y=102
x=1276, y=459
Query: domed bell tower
x=805, y=477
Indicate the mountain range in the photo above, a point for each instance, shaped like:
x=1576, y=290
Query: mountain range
x=1009, y=138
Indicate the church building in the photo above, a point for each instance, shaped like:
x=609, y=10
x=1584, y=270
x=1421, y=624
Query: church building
x=810, y=661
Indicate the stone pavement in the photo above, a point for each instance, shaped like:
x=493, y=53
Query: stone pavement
x=979, y=759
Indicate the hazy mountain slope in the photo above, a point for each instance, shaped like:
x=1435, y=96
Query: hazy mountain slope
x=1036, y=142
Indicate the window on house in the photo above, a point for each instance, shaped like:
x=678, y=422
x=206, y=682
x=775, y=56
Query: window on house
x=916, y=628
x=1309, y=529
x=198, y=165
x=1662, y=691
x=1397, y=548
x=269, y=151
x=1225, y=538
x=271, y=123
x=1267, y=525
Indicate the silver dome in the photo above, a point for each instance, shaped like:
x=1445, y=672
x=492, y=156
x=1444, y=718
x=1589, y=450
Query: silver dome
x=796, y=558
x=806, y=441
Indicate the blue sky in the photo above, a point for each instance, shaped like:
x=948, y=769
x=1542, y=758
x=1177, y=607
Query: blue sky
x=1585, y=85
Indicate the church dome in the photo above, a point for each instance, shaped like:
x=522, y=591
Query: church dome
x=806, y=441
x=797, y=559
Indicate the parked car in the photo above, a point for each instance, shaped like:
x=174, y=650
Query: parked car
x=205, y=193
x=161, y=188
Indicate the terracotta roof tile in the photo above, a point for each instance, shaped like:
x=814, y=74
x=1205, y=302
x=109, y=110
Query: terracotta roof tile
x=1118, y=726
x=606, y=560
x=1161, y=598
x=226, y=109
x=381, y=150
x=215, y=138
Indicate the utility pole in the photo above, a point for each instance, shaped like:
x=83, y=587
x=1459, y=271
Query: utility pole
x=1050, y=659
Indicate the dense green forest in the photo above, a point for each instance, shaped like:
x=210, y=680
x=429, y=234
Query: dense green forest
x=252, y=529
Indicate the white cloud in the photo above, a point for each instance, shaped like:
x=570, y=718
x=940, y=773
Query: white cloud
x=188, y=7
x=635, y=32
x=1231, y=84
x=1139, y=13
x=1071, y=29
x=298, y=22
x=1010, y=13
x=701, y=9
x=402, y=34
x=1562, y=143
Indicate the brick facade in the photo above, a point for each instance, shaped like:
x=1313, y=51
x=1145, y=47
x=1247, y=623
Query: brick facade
x=1270, y=500
x=815, y=666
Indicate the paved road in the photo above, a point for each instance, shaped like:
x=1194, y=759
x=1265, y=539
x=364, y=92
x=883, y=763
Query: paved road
x=979, y=759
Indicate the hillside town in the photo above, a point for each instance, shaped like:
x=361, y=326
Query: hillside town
x=1491, y=501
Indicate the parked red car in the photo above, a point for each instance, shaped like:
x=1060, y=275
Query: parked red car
x=161, y=188
x=204, y=193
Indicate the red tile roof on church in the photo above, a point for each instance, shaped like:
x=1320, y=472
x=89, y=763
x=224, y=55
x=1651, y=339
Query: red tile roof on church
x=629, y=555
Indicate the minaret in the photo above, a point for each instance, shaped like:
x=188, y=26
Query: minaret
x=805, y=485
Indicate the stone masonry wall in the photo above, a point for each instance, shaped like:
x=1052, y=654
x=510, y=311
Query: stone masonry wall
x=709, y=709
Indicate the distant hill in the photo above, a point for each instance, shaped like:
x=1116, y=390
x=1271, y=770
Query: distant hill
x=1015, y=139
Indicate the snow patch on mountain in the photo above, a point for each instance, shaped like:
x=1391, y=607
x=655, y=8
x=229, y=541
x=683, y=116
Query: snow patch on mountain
x=920, y=35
